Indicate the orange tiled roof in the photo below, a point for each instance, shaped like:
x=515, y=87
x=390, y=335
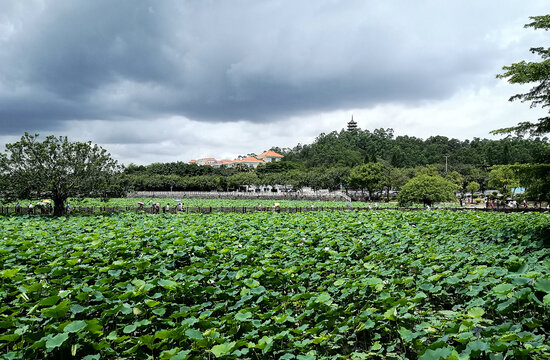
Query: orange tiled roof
x=270, y=153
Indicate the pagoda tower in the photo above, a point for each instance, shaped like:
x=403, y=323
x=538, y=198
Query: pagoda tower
x=352, y=125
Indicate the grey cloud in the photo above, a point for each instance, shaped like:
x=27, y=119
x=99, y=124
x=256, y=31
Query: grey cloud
x=240, y=60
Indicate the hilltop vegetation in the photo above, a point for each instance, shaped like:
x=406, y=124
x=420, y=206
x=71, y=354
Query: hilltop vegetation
x=347, y=148
x=329, y=161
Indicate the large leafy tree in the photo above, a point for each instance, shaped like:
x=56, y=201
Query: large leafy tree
x=537, y=73
x=392, y=178
x=536, y=177
x=427, y=189
x=368, y=176
x=503, y=178
x=56, y=168
x=456, y=178
x=336, y=177
x=472, y=187
x=243, y=178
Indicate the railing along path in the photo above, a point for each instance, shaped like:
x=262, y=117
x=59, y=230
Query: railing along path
x=90, y=210
x=234, y=195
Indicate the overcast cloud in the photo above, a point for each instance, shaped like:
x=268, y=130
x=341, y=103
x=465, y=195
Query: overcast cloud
x=158, y=81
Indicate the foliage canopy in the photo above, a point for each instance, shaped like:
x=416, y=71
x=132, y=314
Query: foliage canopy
x=56, y=168
x=537, y=73
x=367, y=176
x=503, y=178
x=427, y=190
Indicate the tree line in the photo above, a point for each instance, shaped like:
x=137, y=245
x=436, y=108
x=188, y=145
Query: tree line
x=373, y=162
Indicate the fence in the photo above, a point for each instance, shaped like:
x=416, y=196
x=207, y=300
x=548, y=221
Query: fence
x=328, y=196
x=240, y=209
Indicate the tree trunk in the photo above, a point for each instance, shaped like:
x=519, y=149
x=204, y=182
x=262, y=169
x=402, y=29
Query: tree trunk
x=58, y=207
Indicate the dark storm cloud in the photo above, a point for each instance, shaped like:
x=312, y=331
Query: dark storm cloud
x=77, y=47
x=238, y=60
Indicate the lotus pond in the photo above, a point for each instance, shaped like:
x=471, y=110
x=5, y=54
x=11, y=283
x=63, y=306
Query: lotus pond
x=92, y=202
x=323, y=285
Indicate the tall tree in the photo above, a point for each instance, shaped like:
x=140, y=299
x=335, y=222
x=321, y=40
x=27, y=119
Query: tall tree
x=337, y=177
x=392, y=178
x=503, y=178
x=456, y=178
x=367, y=176
x=243, y=178
x=535, y=176
x=537, y=73
x=56, y=168
x=472, y=187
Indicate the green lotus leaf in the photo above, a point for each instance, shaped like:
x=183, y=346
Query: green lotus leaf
x=222, y=349
x=476, y=312
x=243, y=315
x=543, y=284
x=58, y=311
x=193, y=334
x=75, y=326
x=167, y=284
x=436, y=354
x=56, y=341
x=49, y=301
x=129, y=328
x=503, y=288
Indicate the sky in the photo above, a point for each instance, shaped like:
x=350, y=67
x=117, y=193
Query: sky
x=172, y=80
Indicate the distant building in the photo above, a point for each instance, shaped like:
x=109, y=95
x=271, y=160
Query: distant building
x=253, y=161
x=206, y=161
x=250, y=161
x=269, y=156
x=352, y=125
x=219, y=163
